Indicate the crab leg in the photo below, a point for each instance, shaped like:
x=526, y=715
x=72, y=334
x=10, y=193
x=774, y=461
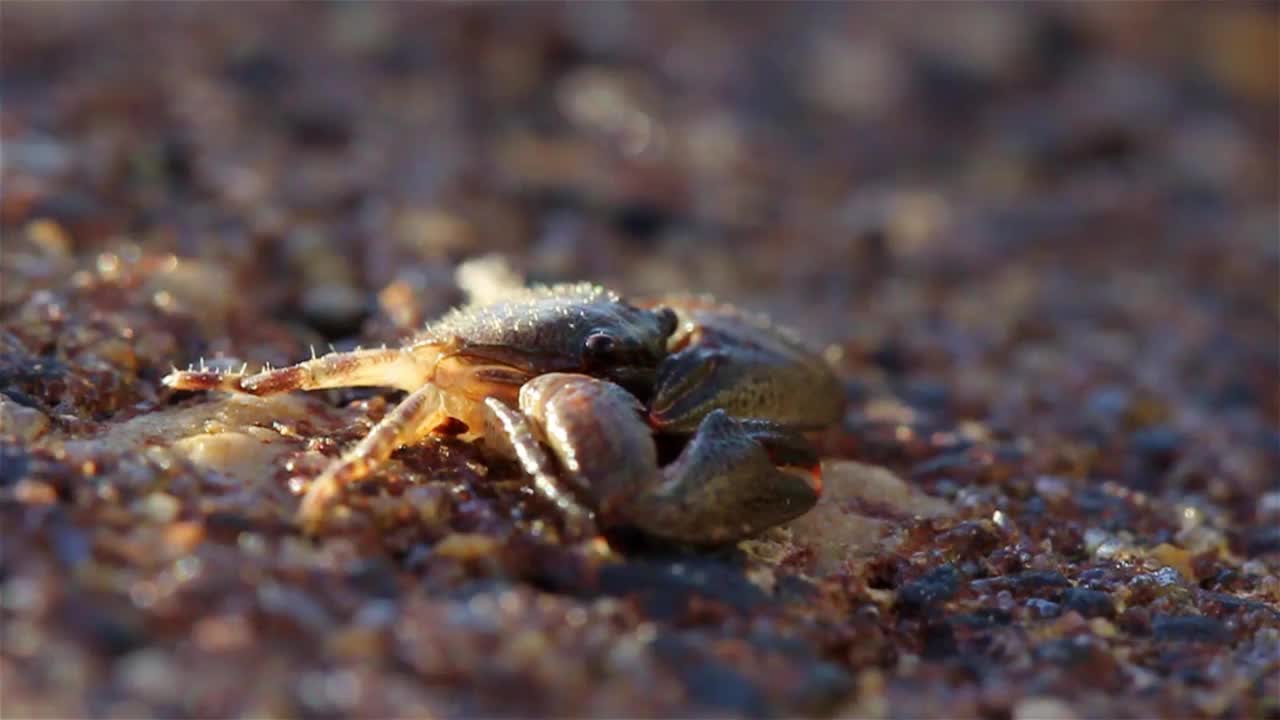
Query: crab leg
x=415, y=416
x=387, y=367
x=514, y=431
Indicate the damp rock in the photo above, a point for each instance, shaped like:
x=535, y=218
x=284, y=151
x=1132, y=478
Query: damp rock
x=861, y=510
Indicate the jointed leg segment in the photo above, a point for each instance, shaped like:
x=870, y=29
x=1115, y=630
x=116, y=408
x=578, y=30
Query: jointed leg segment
x=413, y=418
x=388, y=367
x=513, y=429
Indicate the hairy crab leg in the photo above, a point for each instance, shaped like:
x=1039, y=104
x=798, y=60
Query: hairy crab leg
x=515, y=433
x=415, y=416
x=387, y=367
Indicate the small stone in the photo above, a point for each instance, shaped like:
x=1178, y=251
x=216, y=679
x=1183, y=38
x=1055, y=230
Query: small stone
x=151, y=674
x=1089, y=603
x=466, y=546
x=34, y=492
x=1157, y=446
x=839, y=528
x=222, y=633
x=1033, y=579
x=938, y=586
x=1174, y=557
x=1190, y=628
x=22, y=422
x=1043, y=609
x=1166, y=576
x=1052, y=488
x=1262, y=541
x=184, y=536
x=161, y=507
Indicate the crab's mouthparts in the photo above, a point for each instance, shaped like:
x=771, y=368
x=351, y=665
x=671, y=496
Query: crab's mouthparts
x=638, y=381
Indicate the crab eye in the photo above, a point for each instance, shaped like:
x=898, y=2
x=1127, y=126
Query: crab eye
x=599, y=344
x=667, y=321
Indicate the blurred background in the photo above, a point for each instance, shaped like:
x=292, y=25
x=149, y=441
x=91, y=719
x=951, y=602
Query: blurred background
x=811, y=155
x=1050, y=228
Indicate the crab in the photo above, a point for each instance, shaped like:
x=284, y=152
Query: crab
x=607, y=386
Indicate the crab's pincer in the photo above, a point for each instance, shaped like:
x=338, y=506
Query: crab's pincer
x=733, y=478
x=725, y=358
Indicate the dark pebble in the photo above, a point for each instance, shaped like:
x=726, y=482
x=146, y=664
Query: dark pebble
x=710, y=684
x=822, y=688
x=1262, y=540
x=402, y=58
x=667, y=589
x=14, y=463
x=226, y=526
x=1094, y=501
x=1089, y=603
x=937, y=586
x=1237, y=393
x=260, y=71
x=1035, y=506
x=1043, y=608
x=1033, y=579
x=950, y=88
x=1112, y=145
x=718, y=686
x=1093, y=575
x=793, y=588
x=942, y=464
x=377, y=578
x=1158, y=445
x=22, y=399
x=1065, y=651
x=320, y=127
x=178, y=156
x=892, y=358
x=926, y=395
x=1109, y=403
x=1024, y=581
x=971, y=538
x=984, y=617
x=68, y=207
x=1190, y=628
x=1233, y=604
x=1010, y=453
x=111, y=631
x=856, y=391
x=939, y=641
x=71, y=544
x=1057, y=44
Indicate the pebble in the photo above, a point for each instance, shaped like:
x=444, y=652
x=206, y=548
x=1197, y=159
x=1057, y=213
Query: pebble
x=1190, y=628
x=1089, y=603
x=937, y=586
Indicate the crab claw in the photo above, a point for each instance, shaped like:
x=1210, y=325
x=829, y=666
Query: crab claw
x=689, y=385
x=726, y=484
x=725, y=358
x=785, y=447
x=733, y=479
